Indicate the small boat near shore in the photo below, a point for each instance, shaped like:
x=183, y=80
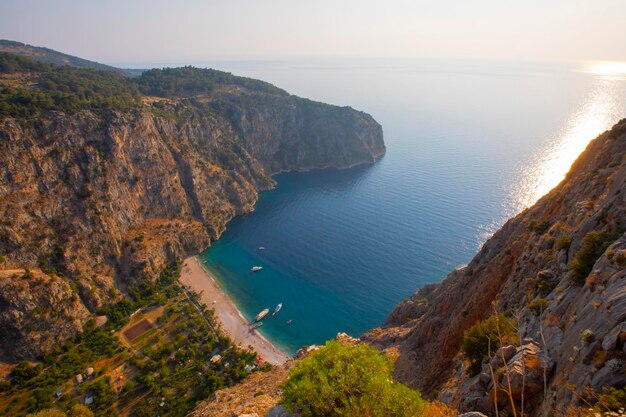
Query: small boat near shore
x=256, y=326
x=256, y=268
x=261, y=315
x=277, y=309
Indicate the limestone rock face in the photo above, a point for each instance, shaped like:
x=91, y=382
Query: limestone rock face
x=106, y=200
x=37, y=312
x=279, y=411
x=578, y=333
x=524, y=373
x=260, y=394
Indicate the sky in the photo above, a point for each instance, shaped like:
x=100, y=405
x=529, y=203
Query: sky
x=144, y=31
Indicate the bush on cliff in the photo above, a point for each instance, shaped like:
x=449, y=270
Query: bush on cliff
x=486, y=337
x=342, y=380
x=591, y=248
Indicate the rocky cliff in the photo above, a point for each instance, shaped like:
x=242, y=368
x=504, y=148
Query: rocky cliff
x=105, y=197
x=559, y=270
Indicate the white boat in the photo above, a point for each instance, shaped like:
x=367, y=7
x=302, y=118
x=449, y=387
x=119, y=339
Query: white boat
x=256, y=268
x=261, y=247
x=262, y=314
x=277, y=309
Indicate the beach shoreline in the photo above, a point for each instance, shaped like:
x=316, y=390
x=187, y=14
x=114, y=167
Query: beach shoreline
x=230, y=318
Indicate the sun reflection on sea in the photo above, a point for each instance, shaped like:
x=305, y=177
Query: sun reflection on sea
x=599, y=111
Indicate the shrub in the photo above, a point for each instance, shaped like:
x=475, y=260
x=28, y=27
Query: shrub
x=620, y=258
x=612, y=399
x=563, y=242
x=50, y=412
x=341, y=380
x=591, y=248
x=491, y=333
x=539, y=226
x=23, y=372
x=539, y=305
x=587, y=336
x=79, y=411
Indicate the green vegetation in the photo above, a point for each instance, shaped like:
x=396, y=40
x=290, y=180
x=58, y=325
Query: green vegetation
x=591, y=248
x=487, y=336
x=611, y=399
x=50, y=412
x=45, y=87
x=543, y=284
x=64, y=88
x=538, y=306
x=343, y=380
x=539, y=227
x=76, y=411
x=189, y=81
x=169, y=364
x=563, y=242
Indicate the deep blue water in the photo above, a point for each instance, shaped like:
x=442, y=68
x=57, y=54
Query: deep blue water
x=468, y=145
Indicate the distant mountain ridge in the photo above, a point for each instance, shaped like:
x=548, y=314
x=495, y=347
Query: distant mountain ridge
x=50, y=56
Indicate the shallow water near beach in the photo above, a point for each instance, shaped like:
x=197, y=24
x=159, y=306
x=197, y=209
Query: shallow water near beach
x=469, y=144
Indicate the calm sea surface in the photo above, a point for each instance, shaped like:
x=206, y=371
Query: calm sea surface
x=469, y=144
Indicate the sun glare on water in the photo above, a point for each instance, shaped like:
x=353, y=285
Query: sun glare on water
x=602, y=107
x=608, y=68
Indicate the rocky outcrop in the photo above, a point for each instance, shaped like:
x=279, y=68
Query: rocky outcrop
x=573, y=320
x=291, y=133
x=258, y=394
x=105, y=199
x=37, y=312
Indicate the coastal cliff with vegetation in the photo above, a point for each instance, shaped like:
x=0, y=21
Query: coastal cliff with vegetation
x=108, y=181
x=104, y=179
x=536, y=322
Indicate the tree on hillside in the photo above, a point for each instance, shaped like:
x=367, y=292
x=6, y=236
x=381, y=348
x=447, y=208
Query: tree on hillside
x=342, y=380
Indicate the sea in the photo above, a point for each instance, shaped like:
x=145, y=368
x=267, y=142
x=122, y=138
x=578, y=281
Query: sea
x=469, y=145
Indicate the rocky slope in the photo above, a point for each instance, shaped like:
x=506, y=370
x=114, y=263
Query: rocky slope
x=32, y=300
x=571, y=319
x=106, y=198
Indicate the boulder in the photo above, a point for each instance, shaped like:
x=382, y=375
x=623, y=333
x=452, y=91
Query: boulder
x=525, y=372
x=612, y=374
x=507, y=352
x=615, y=338
x=279, y=411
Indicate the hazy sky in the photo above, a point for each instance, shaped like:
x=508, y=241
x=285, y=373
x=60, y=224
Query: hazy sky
x=133, y=31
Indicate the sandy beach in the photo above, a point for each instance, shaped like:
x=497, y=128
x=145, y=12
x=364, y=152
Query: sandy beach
x=232, y=321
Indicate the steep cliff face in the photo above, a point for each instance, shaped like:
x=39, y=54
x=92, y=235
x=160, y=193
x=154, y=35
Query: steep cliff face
x=105, y=199
x=32, y=303
x=290, y=133
x=549, y=268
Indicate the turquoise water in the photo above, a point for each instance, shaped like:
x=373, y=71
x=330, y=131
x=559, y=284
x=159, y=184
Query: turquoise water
x=468, y=145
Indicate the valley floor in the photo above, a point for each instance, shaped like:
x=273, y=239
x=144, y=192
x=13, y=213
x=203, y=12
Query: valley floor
x=232, y=321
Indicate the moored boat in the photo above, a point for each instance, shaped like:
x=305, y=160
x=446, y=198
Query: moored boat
x=261, y=315
x=277, y=309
